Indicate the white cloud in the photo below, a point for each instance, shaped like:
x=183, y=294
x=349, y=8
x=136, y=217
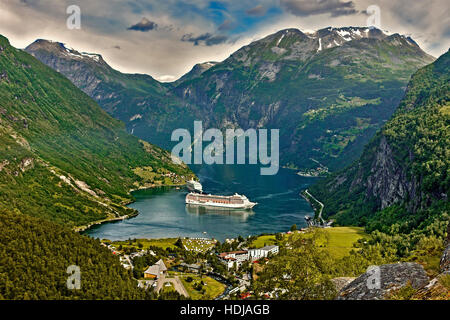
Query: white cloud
x=161, y=53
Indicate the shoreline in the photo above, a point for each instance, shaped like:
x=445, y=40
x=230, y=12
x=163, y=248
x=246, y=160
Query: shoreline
x=99, y=222
x=308, y=196
x=86, y=227
x=83, y=228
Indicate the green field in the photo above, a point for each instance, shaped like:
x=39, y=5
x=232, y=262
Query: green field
x=341, y=240
x=162, y=243
x=262, y=241
x=213, y=288
x=338, y=241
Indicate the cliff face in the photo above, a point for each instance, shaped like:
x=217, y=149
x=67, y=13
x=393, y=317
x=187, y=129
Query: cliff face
x=406, y=164
x=445, y=260
x=388, y=181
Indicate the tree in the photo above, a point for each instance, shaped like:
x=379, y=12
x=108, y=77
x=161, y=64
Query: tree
x=294, y=228
x=303, y=273
x=179, y=243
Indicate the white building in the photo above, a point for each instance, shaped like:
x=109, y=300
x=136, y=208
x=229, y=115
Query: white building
x=233, y=258
x=256, y=254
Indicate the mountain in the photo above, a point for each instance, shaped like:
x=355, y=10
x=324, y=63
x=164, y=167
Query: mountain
x=402, y=178
x=328, y=92
x=142, y=103
x=196, y=71
x=63, y=158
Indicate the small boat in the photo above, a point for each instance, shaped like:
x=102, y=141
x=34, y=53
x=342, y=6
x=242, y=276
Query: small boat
x=235, y=201
x=194, y=186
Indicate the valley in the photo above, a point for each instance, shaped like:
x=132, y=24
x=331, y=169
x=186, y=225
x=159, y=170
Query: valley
x=327, y=103
x=347, y=109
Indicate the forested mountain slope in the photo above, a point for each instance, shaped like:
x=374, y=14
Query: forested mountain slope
x=402, y=178
x=61, y=156
x=328, y=92
x=35, y=255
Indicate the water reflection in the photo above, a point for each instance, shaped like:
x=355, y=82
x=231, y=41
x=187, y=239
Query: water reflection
x=164, y=214
x=235, y=214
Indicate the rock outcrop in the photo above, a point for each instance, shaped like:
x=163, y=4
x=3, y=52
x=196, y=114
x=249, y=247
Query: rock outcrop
x=445, y=260
x=341, y=282
x=378, y=283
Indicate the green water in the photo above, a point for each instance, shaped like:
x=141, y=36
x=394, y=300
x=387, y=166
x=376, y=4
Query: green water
x=163, y=213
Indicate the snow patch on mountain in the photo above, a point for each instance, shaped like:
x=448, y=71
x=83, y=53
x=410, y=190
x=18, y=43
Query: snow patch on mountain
x=74, y=53
x=281, y=38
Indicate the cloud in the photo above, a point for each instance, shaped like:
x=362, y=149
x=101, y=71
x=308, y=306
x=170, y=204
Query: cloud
x=259, y=11
x=166, y=78
x=161, y=53
x=144, y=25
x=226, y=25
x=208, y=39
x=306, y=8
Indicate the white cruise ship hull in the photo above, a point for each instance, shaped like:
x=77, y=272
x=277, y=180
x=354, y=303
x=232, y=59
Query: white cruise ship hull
x=222, y=206
x=236, y=202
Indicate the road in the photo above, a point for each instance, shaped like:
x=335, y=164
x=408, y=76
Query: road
x=321, y=205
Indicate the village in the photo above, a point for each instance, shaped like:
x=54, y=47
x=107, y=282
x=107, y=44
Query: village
x=197, y=268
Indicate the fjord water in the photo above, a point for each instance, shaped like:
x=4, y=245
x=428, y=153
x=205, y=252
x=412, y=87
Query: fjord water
x=163, y=213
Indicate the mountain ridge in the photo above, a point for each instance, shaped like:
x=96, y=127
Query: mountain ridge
x=62, y=152
x=402, y=176
x=328, y=103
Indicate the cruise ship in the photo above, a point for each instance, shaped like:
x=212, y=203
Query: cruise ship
x=194, y=186
x=236, y=201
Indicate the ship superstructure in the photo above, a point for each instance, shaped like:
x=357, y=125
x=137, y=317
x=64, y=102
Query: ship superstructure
x=194, y=186
x=235, y=201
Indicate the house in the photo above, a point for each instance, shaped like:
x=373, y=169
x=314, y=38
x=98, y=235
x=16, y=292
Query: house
x=256, y=254
x=156, y=270
x=233, y=258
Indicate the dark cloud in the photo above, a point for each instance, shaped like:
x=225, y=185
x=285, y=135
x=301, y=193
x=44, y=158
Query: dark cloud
x=226, y=25
x=446, y=33
x=305, y=8
x=208, y=39
x=259, y=10
x=144, y=25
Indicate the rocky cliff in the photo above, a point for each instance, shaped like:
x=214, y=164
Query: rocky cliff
x=386, y=280
x=404, y=169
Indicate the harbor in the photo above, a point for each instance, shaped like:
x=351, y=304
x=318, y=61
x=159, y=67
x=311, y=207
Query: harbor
x=163, y=211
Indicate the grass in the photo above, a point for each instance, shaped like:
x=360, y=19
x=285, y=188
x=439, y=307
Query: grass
x=341, y=240
x=161, y=243
x=262, y=241
x=168, y=287
x=338, y=241
x=213, y=288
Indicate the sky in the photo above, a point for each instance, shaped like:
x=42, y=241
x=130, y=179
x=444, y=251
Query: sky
x=166, y=38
